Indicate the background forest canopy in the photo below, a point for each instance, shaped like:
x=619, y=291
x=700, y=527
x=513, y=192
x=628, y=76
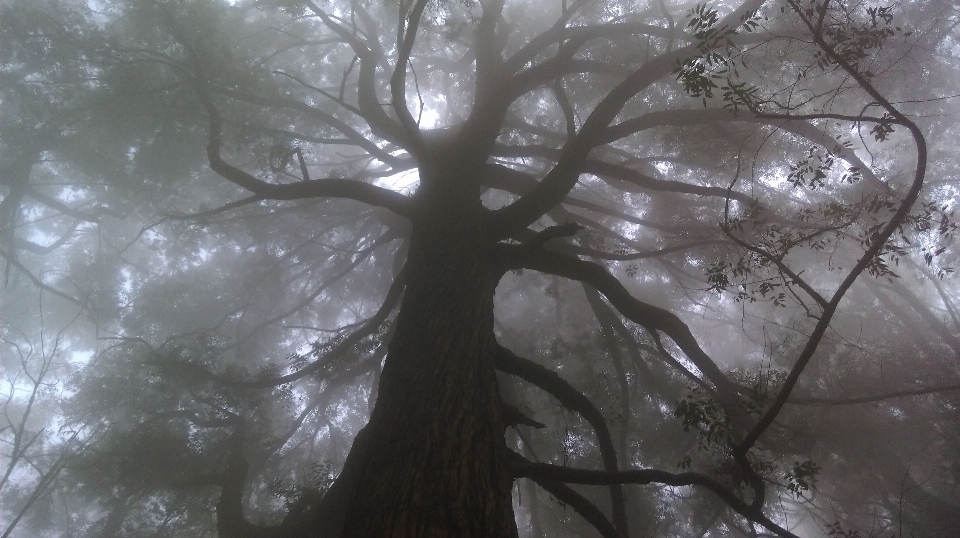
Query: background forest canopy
x=543, y=268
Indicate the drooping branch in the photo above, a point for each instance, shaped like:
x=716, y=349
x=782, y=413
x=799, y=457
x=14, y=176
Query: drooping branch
x=875, y=398
x=369, y=327
x=523, y=468
x=53, y=203
x=23, y=244
x=508, y=362
x=607, y=319
x=374, y=323
x=361, y=257
x=12, y=260
x=582, y=506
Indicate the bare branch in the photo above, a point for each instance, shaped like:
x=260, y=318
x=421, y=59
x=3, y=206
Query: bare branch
x=874, y=398
x=571, y=398
x=871, y=252
x=651, y=317
x=553, y=473
x=323, y=188
x=582, y=506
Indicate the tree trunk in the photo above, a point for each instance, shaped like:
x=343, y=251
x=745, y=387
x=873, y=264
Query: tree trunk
x=430, y=462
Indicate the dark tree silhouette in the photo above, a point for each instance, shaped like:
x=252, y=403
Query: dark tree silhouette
x=396, y=171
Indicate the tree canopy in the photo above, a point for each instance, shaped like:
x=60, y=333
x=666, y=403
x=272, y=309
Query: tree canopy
x=341, y=268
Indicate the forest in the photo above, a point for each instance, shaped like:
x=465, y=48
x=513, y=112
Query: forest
x=479, y=268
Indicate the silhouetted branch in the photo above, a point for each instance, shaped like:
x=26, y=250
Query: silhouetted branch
x=571, y=398
x=651, y=317
x=875, y=398
x=562, y=230
x=582, y=506
x=322, y=188
x=878, y=241
x=405, y=40
x=553, y=473
x=557, y=183
x=39, y=283
x=369, y=53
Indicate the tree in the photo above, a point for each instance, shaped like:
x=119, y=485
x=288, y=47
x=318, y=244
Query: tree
x=273, y=216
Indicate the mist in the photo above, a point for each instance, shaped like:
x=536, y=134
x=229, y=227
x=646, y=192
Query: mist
x=425, y=268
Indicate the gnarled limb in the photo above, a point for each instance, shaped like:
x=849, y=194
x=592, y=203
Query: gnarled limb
x=508, y=362
x=582, y=506
x=651, y=317
x=369, y=53
x=553, y=473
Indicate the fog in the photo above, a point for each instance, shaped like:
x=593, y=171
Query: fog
x=281, y=268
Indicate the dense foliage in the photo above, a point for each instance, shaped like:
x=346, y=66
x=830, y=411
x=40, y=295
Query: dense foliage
x=721, y=239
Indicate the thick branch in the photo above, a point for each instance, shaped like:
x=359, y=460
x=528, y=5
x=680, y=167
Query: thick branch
x=651, y=317
x=874, y=398
x=398, y=80
x=582, y=506
x=571, y=398
x=553, y=473
x=323, y=188
x=564, y=175
x=369, y=53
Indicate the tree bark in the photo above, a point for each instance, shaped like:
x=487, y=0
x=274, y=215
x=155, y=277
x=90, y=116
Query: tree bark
x=433, y=461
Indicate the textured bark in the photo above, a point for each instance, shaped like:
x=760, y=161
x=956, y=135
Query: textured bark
x=433, y=461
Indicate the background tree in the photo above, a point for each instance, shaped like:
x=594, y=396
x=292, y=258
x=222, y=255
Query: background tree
x=580, y=267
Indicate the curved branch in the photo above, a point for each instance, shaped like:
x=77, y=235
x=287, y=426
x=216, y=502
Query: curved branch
x=874, y=250
x=399, y=77
x=607, y=319
x=558, y=182
x=523, y=468
x=39, y=283
x=571, y=398
x=651, y=317
x=53, y=203
x=393, y=296
x=23, y=244
x=796, y=125
x=582, y=506
x=369, y=53
x=874, y=398
x=322, y=188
